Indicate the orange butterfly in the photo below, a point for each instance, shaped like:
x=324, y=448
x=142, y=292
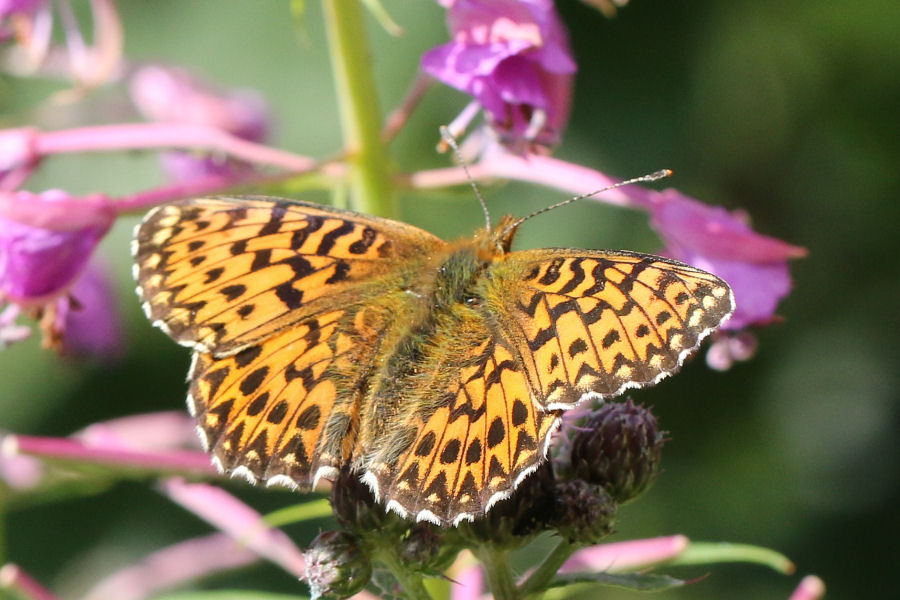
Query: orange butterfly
x=325, y=338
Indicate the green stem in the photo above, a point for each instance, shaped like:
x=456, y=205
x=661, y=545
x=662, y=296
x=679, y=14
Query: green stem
x=538, y=581
x=358, y=105
x=499, y=574
x=413, y=584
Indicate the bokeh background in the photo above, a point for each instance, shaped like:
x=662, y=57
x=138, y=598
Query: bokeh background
x=786, y=110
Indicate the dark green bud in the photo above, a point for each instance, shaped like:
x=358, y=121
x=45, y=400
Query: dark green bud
x=586, y=511
x=356, y=510
x=336, y=566
x=619, y=447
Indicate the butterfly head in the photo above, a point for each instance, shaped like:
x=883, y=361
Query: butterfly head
x=497, y=240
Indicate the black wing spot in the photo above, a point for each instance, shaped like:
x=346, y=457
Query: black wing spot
x=473, y=454
x=309, y=418
x=278, y=413
x=577, y=347
x=233, y=292
x=258, y=404
x=610, y=338
x=247, y=356
x=426, y=445
x=496, y=433
x=252, y=381
x=213, y=274
x=450, y=452
x=519, y=413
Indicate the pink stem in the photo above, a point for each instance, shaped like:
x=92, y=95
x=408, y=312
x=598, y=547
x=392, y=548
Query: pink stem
x=68, y=449
x=543, y=170
x=13, y=577
x=135, y=136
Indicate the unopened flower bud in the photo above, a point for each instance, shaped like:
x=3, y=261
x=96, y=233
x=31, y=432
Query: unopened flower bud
x=336, y=566
x=423, y=550
x=586, y=511
x=619, y=448
x=356, y=510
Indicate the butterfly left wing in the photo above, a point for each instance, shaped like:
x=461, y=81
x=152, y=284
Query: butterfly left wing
x=594, y=323
x=219, y=274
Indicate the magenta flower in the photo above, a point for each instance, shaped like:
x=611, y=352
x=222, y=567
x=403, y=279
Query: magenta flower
x=174, y=96
x=37, y=263
x=46, y=242
x=709, y=237
x=513, y=58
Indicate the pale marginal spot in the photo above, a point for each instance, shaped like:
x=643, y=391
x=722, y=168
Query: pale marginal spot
x=625, y=372
x=433, y=498
x=427, y=515
x=289, y=459
x=656, y=361
x=695, y=318
x=204, y=439
x=462, y=517
x=160, y=237
x=252, y=455
x=403, y=485
x=708, y=302
x=282, y=481
x=675, y=341
x=371, y=479
x=719, y=292
x=217, y=463
x=194, y=358
x=244, y=473
x=328, y=473
x=396, y=507
x=212, y=420
x=465, y=499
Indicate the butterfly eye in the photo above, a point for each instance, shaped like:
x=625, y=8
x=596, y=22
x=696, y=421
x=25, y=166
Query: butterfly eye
x=472, y=300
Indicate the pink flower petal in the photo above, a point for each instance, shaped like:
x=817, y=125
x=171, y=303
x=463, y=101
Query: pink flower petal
x=225, y=512
x=624, y=556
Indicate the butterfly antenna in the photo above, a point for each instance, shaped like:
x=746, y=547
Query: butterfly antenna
x=643, y=179
x=448, y=138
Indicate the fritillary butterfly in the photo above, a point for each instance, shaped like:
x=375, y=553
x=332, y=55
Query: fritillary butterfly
x=437, y=371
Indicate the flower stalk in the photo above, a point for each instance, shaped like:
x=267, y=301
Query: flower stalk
x=359, y=108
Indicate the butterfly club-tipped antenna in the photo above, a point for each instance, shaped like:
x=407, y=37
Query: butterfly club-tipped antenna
x=642, y=179
x=451, y=141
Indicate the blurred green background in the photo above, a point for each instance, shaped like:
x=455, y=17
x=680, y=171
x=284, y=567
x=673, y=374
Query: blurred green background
x=786, y=110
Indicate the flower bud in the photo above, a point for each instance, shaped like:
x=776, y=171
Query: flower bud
x=618, y=448
x=356, y=510
x=423, y=549
x=336, y=566
x=586, y=511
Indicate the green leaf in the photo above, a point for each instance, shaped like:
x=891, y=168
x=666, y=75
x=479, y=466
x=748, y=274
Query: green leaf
x=316, y=509
x=705, y=553
x=644, y=582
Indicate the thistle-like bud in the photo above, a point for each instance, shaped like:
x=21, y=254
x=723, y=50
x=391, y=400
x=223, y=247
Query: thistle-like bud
x=586, y=511
x=356, y=510
x=529, y=510
x=423, y=549
x=336, y=566
x=619, y=448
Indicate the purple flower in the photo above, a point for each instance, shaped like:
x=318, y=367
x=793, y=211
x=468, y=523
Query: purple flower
x=44, y=271
x=709, y=237
x=38, y=264
x=513, y=57
x=91, y=319
x=173, y=95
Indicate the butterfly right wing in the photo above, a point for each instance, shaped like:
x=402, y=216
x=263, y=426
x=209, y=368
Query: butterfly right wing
x=595, y=323
x=220, y=274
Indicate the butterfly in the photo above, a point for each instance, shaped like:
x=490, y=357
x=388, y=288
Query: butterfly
x=326, y=339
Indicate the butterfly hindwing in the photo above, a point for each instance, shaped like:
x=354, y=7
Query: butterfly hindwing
x=219, y=274
x=471, y=441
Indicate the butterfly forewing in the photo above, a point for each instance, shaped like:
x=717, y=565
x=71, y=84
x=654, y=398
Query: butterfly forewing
x=220, y=274
x=599, y=322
